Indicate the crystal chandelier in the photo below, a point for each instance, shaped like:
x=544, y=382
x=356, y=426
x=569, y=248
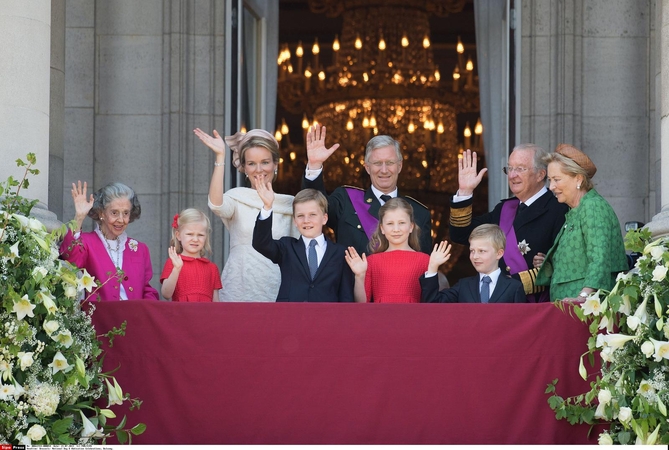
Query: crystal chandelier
x=381, y=78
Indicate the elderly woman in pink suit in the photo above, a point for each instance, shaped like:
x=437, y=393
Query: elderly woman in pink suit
x=120, y=264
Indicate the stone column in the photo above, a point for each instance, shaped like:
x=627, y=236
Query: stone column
x=659, y=226
x=585, y=81
x=25, y=39
x=57, y=107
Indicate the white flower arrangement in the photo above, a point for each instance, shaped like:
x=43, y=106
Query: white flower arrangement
x=50, y=357
x=630, y=392
x=133, y=245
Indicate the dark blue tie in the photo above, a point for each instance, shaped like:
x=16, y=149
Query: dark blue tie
x=313, y=258
x=385, y=198
x=485, y=289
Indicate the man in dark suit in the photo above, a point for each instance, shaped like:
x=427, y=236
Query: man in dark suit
x=313, y=268
x=486, y=248
x=354, y=213
x=531, y=219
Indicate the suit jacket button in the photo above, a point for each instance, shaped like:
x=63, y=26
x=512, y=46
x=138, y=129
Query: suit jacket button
x=359, y=226
x=130, y=288
x=125, y=278
x=508, y=269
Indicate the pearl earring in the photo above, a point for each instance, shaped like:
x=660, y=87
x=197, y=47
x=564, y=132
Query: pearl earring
x=276, y=171
x=578, y=186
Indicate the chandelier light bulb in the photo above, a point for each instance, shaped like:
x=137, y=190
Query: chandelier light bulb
x=468, y=131
x=437, y=75
x=335, y=44
x=315, y=49
x=470, y=65
x=290, y=68
x=293, y=156
x=411, y=128
x=284, y=127
x=243, y=129
x=440, y=128
x=478, y=128
x=405, y=41
x=349, y=125
x=307, y=72
x=456, y=73
x=365, y=122
x=305, y=122
x=299, y=51
x=372, y=122
x=382, y=44
x=321, y=75
x=460, y=48
x=358, y=42
x=278, y=136
x=426, y=42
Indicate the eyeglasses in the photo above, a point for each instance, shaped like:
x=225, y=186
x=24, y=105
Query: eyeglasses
x=379, y=164
x=509, y=170
x=118, y=214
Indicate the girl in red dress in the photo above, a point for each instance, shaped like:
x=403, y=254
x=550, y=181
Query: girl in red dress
x=188, y=276
x=390, y=274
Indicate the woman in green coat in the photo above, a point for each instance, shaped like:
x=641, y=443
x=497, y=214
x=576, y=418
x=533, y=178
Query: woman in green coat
x=588, y=252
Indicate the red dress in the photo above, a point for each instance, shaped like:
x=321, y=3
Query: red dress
x=392, y=277
x=197, y=281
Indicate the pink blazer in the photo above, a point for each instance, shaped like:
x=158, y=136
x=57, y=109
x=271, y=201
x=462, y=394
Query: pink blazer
x=88, y=252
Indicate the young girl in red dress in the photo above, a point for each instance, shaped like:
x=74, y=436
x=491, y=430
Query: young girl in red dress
x=390, y=274
x=188, y=276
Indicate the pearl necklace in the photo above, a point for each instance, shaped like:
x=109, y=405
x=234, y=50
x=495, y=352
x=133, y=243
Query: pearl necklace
x=115, y=251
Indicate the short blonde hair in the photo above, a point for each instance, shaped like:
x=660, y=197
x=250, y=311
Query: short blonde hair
x=186, y=217
x=571, y=168
x=491, y=232
x=307, y=195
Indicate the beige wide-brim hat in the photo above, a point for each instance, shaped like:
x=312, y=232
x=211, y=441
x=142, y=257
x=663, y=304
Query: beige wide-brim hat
x=578, y=157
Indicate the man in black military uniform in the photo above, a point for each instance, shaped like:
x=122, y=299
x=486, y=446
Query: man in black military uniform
x=352, y=212
x=531, y=219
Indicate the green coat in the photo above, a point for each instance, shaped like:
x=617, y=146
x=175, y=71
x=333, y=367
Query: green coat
x=588, y=251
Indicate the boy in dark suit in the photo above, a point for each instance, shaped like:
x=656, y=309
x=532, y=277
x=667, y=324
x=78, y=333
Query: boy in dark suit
x=486, y=248
x=313, y=268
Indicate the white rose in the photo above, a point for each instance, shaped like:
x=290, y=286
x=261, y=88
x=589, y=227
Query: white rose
x=70, y=291
x=657, y=252
x=34, y=224
x=41, y=271
x=647, y=348
x=51, y=326
x=660, y=273
x=36, y=432
x=625, y=414
x=604, y=396
x=605, y=439
x=26, y=359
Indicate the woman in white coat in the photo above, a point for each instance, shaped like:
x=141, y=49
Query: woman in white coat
x=247, y=275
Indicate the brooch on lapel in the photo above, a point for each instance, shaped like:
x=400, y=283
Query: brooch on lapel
x=524, y=247
x=133, y=245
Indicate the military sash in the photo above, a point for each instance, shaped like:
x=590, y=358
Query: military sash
x=512, y=256
x=367, y=220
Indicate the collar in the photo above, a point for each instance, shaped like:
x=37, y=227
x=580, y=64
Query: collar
x=320, y=240
x=494, y=276
x=534, y=198
x=378, y=193
x=190, y=258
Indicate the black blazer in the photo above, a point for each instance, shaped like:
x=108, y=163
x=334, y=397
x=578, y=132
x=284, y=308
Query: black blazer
x=333, y=281
x=343, y=219
x=466, y=290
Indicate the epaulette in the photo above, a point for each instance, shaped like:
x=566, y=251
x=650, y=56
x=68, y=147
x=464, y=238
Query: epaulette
x=413, y=199
x=346, y=186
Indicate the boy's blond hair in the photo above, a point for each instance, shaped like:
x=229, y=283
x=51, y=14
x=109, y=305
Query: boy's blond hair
x=307, y=195
x=491, y=232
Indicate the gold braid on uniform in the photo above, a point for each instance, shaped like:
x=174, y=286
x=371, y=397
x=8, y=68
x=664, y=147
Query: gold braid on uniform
x=461, y=217
x=528, y=278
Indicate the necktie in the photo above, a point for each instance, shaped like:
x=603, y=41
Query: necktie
x=521, y=208
x=485, y=289
x=385, y=197
x=313, y=258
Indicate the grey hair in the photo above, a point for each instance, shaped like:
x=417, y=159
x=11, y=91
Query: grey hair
x=381, y=141
x=114, y=191
x=539, y=155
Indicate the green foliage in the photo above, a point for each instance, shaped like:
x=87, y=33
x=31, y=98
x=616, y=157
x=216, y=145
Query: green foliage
x=631, y=390
x=50, y=357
